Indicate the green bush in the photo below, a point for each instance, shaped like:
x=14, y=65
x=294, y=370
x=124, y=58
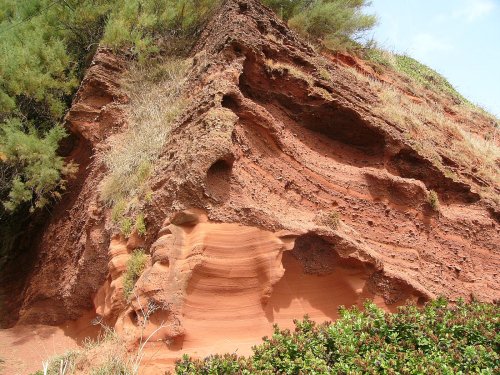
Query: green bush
x=135, y=266
x=142, y=24
x=30, y=169
x=335, y=24
x=437, y=339
x=44, y=48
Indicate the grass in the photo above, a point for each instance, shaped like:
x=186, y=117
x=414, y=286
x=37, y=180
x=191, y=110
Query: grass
x=435, y=134
x=419, y=73
x=283, y=68
x=135, y=267
x=140, y=225
x=433, y=200
x=330, y=219
x=155, y=104
x=427, y=77
x=107, y=355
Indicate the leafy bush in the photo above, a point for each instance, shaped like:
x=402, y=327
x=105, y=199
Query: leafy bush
x=30, y=169
x=143, y=23
x=335, y=24
x=135, y=266
x=438, y=339
x=46, y=45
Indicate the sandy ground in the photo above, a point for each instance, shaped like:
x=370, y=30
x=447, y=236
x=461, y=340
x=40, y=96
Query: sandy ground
x=23, y=348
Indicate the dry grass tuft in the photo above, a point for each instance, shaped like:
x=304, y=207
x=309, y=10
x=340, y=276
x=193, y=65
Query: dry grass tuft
x=105, y=356
x=433, y=200
x=155, y=103
x=283, y=68
x=330, y=219
x=135, y=266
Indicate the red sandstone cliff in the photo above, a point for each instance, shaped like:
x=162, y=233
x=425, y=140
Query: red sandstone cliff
x=240, y=226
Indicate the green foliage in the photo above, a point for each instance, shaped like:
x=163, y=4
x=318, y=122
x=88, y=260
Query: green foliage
x=427, y=77
x=142, y=24
x=43, y=49
x=135, y=266
x=335, y=24
x=140, y=225
x=437, y=339
x=30, y=169
x=126, y=226
x=433, y=200
x=45, y=46
x=285, y=9
x=419, y=73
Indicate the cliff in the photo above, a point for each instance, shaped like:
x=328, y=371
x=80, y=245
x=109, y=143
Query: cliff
x=280, y=191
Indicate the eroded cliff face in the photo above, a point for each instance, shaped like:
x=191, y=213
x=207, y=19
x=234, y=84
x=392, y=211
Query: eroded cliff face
x=72, y=251
x=279, y=192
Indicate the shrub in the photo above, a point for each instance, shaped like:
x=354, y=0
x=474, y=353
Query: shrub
x=433, y=200
x=135, y=266
x=437, y=339
x=31, y=171
x=335, y=24
x=45, y=47
x=140, y=225
x=285, y=9
x=142, y=24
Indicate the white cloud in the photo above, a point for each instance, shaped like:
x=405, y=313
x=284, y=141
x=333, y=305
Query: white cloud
x=472, y=10
x=424, y=44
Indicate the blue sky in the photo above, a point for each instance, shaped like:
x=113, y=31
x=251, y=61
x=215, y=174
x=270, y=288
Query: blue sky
x=458, y=38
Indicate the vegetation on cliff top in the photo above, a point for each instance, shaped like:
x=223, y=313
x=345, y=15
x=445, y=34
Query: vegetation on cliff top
x=45, y=47
x=334, y=24
x=438, y=339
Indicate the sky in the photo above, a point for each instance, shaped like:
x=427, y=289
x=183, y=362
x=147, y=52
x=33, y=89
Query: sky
x=460, y=39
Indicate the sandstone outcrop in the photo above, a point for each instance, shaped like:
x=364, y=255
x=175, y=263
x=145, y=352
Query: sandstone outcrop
x=279, y=192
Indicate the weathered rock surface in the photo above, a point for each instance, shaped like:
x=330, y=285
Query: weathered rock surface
x=72, y=252
x=278, y=193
